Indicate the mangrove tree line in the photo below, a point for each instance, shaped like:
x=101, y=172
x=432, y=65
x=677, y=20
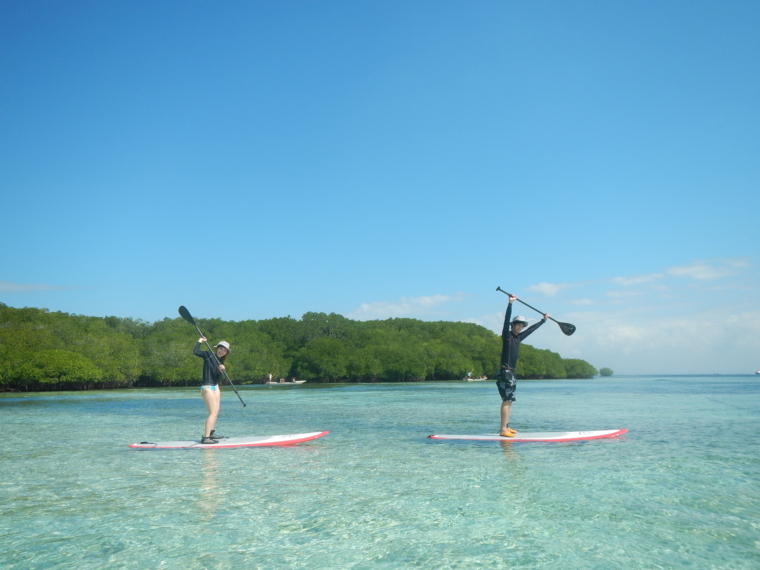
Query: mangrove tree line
x=42, y=350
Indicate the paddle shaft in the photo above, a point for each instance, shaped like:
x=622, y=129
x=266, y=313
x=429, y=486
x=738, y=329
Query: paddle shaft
x=192, y=321
x=524, y=303
x=566, y=328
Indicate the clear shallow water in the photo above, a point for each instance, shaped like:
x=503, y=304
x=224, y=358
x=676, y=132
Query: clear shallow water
x=680, y=490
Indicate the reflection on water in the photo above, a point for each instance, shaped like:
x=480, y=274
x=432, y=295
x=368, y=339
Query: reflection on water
x=209, y=491
x=508, y=451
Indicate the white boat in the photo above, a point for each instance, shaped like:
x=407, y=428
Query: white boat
x=470, y=379
x=285, y=383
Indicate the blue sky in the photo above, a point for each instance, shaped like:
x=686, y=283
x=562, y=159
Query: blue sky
x=260, y=159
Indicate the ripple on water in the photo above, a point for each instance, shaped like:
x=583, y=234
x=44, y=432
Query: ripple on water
x=376, y=493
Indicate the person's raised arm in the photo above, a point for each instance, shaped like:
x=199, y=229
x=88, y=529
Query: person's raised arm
x=532, y=328
x=505, y=331
x=197, y=350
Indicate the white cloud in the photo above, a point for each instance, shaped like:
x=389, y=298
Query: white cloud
x=405, y=307
x=623, y=294
x=698, y=317
x=551, y=289
x=737, y=263
x=10, y=287
x=651, y=340
x=707, y=270
x=636, y=279
x=492, y=321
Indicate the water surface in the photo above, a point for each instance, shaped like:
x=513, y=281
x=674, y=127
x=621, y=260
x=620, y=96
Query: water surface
x=680, y=490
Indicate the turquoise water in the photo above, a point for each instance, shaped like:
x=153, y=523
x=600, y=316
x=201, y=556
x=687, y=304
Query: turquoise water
x=680, y=490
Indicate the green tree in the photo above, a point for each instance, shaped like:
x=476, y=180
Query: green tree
x=283, y=331
x=321, y=325
x=322, y=359
x=44, y=350
x=57, y=367
x=401, y=362
x=447, y=361
x=606, y=371
x=577, y=368
x=255, y=355
x=364, y=365
x=168, y=355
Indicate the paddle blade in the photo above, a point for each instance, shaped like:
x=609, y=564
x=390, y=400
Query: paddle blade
x=567, y=328
x=185, y=314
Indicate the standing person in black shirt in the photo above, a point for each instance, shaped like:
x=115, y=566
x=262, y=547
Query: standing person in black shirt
x=213, y=370
x=507, y=383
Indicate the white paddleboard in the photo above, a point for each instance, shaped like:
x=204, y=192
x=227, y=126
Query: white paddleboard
x=548, y=436
x=254, y=441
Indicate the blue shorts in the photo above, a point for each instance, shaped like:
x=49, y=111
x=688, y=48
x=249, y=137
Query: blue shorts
x=211, y=387
x=506, y=385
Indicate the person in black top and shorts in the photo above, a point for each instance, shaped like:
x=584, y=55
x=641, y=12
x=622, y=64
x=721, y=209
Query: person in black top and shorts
x=213, y=370
x=506, y=382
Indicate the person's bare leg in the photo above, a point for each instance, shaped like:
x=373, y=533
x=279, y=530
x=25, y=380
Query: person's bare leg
x=505, y=409
x=218, y=396
x=213, y=401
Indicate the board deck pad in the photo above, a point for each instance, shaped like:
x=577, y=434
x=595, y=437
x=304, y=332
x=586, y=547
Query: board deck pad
x=228, y=442
x=546, y=436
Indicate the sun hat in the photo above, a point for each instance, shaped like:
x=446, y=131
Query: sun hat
x=223, y=343
x=517, y=320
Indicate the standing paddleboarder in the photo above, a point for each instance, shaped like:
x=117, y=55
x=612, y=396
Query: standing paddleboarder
x=213, y=370
x=507, y=383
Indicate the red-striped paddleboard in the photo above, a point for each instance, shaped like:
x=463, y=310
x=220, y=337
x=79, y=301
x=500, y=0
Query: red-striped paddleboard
x=254, y=441
x=547, y=436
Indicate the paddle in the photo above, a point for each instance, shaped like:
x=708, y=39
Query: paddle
x=185, y=314
x=567, y=328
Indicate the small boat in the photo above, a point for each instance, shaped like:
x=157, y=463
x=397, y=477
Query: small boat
x=285, y=383
x=757, y=371
x=471, y=379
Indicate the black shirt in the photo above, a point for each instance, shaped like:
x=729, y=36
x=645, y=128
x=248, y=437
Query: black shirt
x=511, y=343
x=211, y=374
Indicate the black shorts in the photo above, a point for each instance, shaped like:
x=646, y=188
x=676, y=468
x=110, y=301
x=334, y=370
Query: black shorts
x=506, y=385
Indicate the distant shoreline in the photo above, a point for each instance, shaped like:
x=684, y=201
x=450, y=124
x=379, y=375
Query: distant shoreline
x=368, y=383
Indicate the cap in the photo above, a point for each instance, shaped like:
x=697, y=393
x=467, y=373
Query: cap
x=223, y=343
